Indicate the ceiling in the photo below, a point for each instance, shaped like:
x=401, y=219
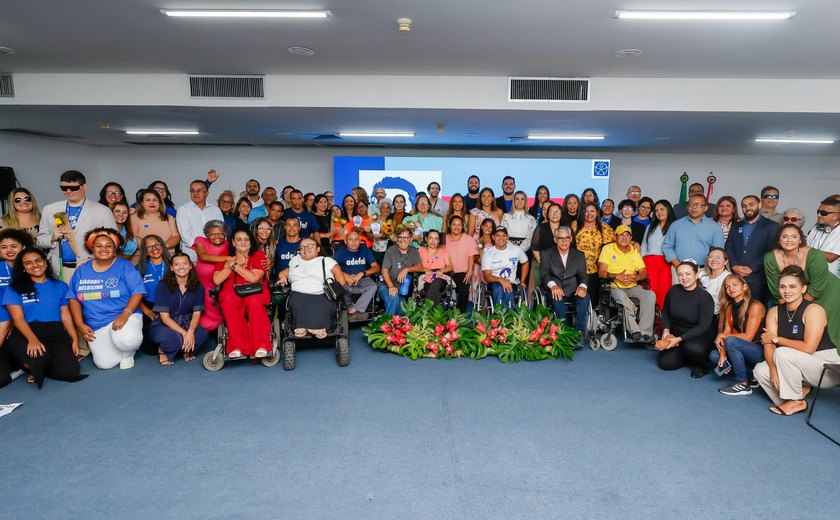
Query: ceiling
x=449, y=38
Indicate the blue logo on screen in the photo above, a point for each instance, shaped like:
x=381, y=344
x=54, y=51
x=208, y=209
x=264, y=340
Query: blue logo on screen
x=397, y=183
x=600, y=168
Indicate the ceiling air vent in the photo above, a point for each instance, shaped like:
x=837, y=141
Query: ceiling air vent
x=7, y=85
x=562, y=90
x=227, y=87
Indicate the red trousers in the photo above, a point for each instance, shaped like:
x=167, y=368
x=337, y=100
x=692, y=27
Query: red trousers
x=247, y=323
x=659, y=274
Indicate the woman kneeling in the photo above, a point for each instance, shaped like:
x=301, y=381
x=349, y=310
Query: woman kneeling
x=311, y=310
x=795, y=347
x=44, y=340
x=179, y=303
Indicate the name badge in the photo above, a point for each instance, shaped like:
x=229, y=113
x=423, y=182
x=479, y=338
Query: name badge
x=796, y=329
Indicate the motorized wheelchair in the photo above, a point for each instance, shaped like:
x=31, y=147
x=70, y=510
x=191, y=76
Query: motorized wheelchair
x=339, y=334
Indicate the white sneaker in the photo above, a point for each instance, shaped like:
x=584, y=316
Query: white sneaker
x=127, y=362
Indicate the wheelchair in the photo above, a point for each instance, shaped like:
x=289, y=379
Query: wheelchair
x=450, y=294
x=340, y=334
x=216, y=358
x=612, y=316
x=483, y=300
x=589, y=334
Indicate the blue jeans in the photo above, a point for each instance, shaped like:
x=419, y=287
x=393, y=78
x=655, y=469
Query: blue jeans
x=500, y=297
x=561, y=308
x=393, y=304
x=740, y=352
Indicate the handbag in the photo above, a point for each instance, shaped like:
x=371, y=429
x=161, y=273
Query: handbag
x=246, y=289
x=332, y=289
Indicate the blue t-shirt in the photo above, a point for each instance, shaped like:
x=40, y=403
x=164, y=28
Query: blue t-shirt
x=5, y=279
x=152, y=277
x=748, y=229
x=43, y=305
x=308, y=224
x=257, y=212
x=354, y=262
x=283, y=253
x=105, y=295
x=67, y=254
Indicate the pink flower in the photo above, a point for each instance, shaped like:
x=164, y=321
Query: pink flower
x=448, y=350
x=385, y=328
x=552, y=337
x=494, y=323
x=408, y=328
x=533, y=336
x=454, y=335
x=395, y=320
x=544, y=341
x=545, y=321
x=493, y=333
x=439, y=329
x=481, y=328
x=389, y=338
x=433, y=348
x=444, y=341
x=452, y=324
x=400, y=341
x=404, y=321
x=553, y=329
x=486, y=342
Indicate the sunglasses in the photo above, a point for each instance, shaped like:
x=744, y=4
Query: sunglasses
x=65, y=187
x=824, y=213
x=790, y=219
x=23, y=199
x=771, y=197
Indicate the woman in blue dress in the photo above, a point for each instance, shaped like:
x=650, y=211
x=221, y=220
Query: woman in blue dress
x=179, y=303
x=153, y=264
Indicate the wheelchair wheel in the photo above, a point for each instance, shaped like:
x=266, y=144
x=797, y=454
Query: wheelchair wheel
x=288, y=355
x=594, y=344
x=213, y=361
x=344, y=322
x=276, y=334
x=272, y=358
x=342, y=352
x=609, y=341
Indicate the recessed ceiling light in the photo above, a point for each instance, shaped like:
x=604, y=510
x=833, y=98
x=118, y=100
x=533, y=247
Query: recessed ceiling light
x=705, y=15
x=628, y=53
x=553, y=137
x=246, y=13
x=788, y=140
x=301, y=51
x=376, y=134
x=162, y=132
x=6, y=50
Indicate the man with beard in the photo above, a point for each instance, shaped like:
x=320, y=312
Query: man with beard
x=308, y=224
x=258, y=209
x=473, y=187
x=749, y=240
x=824, y=236
x=505, y=201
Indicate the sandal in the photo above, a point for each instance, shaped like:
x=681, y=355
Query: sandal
x=188, y=357
x=30, y=378
x=164, y=360
x=261, y=353
x=299, y=333
x=318, y=333
x=235, y=354
x=778, y=410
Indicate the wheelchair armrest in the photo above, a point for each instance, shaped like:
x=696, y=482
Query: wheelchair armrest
x=278, y=288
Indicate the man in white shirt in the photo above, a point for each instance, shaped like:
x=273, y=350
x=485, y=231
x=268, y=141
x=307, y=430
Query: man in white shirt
x=825, y=236
x=499, y=264
x=193, y=215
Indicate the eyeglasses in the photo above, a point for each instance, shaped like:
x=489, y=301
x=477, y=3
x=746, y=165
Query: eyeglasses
x=634, y=192
x=790, y=219
x=771, y=197
x=153, y=246
x=562, y=238
x=401, y=237
x=160, y=190
x=824, y=213
x=23, y=199
x=307, y=247
x=66, y=187
x=696, y=205
x=218, y=234
x=263, y=228
x=113, y=193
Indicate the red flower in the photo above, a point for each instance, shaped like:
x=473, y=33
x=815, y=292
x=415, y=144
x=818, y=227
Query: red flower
x=408, y=328
x=553, y=329
x=389, y=338
x=494, y=323
x=385, y=328
x=545, y=321
x=454, y=335
x=481, y=328
x=404, y=321
x=444, y=341
x=395, y=320
x=486, y=342
x=544, y=341
x=452, y=324
x=493, y=333
x=433, y=348
x=448, y=350
x=400, y=341
x=439, y=329
x=533, y=336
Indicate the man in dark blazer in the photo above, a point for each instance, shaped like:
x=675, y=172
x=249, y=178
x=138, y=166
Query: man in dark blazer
x=563, y=273
x=749, y=240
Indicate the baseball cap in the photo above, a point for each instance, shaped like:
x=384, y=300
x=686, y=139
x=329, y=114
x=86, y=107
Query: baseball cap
x=503, y=229
x=623, y=229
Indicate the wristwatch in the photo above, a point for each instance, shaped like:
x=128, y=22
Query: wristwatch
x=776, y=340
x=233, y=267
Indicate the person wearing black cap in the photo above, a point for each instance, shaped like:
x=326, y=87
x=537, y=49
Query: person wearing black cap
x=499, y=265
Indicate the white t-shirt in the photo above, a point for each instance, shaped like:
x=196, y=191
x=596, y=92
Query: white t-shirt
x=829, y=243
x=307, y=276
x=503, y=263
x=713, y=286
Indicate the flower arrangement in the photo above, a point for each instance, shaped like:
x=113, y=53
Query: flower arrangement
x=387, y=228
x=427, y=330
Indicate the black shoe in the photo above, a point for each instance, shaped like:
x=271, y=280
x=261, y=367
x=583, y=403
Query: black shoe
x=698, y=372
x=637, y=337
x=753, y=383
x=647, y=339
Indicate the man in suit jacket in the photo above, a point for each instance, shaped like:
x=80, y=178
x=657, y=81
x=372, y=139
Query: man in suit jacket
x=65, y=244
x=563, y=272
x=749, y=240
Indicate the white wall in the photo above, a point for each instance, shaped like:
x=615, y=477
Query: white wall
x=803, y=180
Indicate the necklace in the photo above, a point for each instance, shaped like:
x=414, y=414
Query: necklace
x=791, y=316
x=795, y=258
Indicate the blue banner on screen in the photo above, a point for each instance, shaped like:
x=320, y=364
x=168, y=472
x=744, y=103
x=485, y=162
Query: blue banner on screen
x=410, y=175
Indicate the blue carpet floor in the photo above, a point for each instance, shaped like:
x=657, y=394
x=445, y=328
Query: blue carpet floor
x=606, y=436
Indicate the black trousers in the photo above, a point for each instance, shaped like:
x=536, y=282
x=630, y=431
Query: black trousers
x=58, y=361
x=5, y=367
x=463, y=290
x=434, y=291
x=690, y=353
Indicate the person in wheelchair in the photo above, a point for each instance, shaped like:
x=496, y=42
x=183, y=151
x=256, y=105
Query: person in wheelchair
x=623, y=263
x=400, y=260
x=435, y=262
x=243, y=298
x=563, y=271
x=499, y=264
x=312, y=312
x=358, y=265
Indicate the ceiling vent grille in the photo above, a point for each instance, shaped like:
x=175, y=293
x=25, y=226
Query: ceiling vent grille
x=558, y=90
x=227, y=87
x=7, y=85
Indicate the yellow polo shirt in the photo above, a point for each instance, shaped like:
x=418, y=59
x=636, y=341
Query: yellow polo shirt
x=620, y=262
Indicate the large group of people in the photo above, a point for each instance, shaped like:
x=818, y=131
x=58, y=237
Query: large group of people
x=108, y=278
